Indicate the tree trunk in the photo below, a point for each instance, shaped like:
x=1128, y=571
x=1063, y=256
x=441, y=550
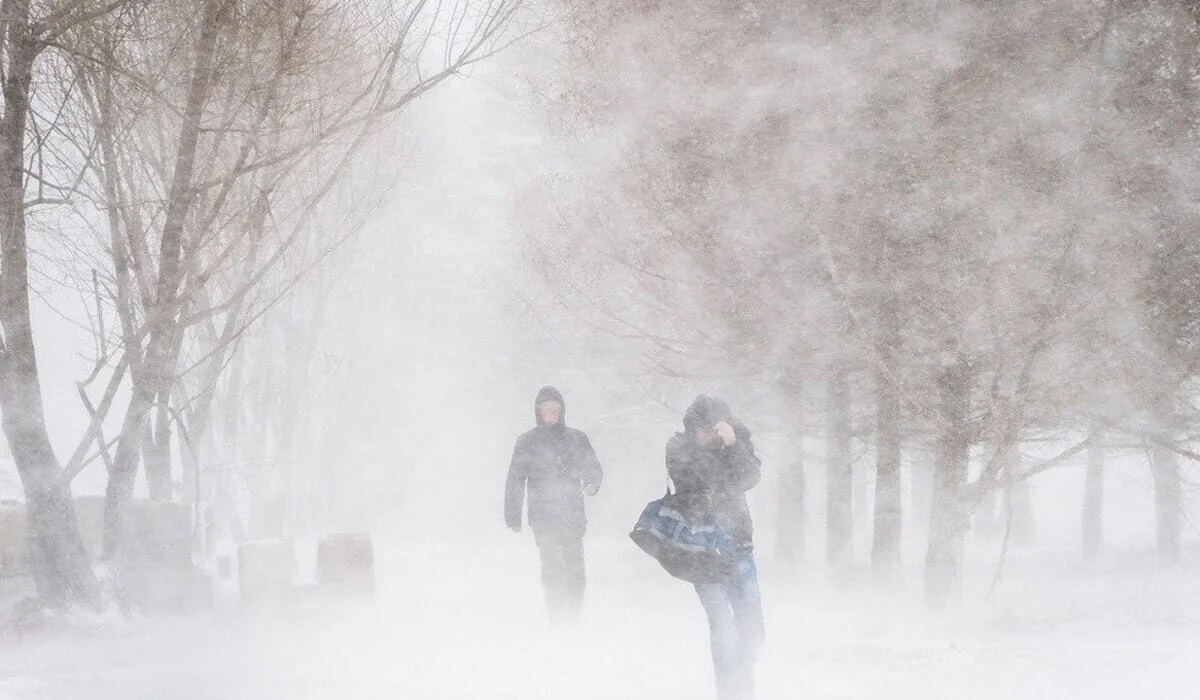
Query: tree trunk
x=156, y=454
x=922, y=489
x=190, y=453
x=1020, y=503
x=885, y=550
x=1018, y=498
x=839, y=479
x=58, y=559
x=999, y=510
x=989, y=516
x=1093, y=501
x=199, y=487
x=949, y=518
x=1168, y=494
x=157, y=459
x=790, y=545
x=56, y=553
x=118, y=493
x=154, y=374
x=860, y=479
x=1167, y=504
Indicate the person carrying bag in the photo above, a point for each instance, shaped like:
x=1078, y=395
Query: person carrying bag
x=702, y=533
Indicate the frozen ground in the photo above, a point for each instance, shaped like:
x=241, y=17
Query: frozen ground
x=463, y=622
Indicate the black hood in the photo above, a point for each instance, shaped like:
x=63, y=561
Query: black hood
x=549, y=393
x=705, y=411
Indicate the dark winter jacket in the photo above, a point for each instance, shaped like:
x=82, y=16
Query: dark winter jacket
x=552, y=463
x=715, y=479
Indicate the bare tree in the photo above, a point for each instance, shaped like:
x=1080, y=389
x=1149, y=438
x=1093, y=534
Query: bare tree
x=178, y=134
x=995, y=285
x=253, y=156
x=59, y=563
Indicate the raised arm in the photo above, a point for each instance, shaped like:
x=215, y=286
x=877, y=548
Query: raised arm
x=745, y=468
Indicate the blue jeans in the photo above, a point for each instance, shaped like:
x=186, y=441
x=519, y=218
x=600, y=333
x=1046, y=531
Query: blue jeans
x=735, y=624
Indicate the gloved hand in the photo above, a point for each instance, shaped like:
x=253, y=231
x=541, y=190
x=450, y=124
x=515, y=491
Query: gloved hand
x=725, y=432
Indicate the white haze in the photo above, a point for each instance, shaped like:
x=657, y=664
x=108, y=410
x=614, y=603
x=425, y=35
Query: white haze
x=438, y=365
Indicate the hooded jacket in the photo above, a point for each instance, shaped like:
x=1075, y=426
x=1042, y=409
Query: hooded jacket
x=715, y=479
x=551, y=463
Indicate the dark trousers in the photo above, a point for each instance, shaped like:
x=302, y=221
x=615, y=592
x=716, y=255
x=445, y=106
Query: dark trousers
x=735, y=624
x=563, y=577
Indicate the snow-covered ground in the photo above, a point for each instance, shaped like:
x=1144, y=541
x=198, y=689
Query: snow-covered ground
x=459, y=621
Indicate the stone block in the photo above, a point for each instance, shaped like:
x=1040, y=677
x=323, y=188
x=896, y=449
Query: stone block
x=346, y=563
x=13, y=539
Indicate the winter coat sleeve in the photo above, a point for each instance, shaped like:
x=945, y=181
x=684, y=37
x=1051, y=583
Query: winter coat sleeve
x=745, y=468
x=590, y=471
x=514, y=485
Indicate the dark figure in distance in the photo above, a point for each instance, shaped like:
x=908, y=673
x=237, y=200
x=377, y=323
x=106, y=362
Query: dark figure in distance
x=556, y=466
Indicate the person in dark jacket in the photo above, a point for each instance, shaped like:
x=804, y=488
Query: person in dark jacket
x=712, y=464
x=556, y=465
